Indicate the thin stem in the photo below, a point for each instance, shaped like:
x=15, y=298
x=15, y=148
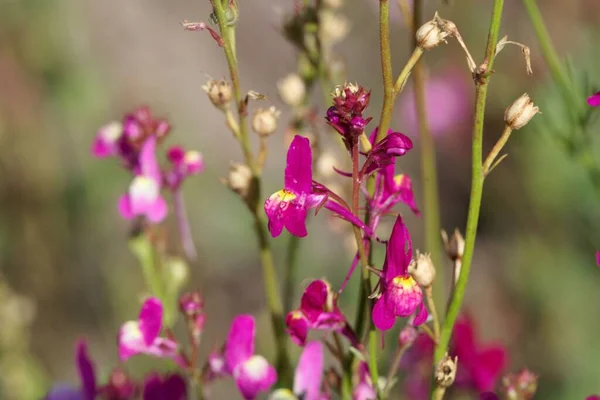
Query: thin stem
x=433, y=311
x=386, y=69
x=496, y=150
x=476, y=187
x=373, y=359
x=291, y=264
x=183, y=222
x=431, y=206
x=394, y=368
x=410, y=64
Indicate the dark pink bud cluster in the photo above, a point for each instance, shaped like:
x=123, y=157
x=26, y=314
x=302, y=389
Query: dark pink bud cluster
x=191, y=306
x=346, y=114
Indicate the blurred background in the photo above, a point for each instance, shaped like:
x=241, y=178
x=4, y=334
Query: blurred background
x=68, y=67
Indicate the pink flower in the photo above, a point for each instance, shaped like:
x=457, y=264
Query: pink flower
x=309, y=373
x=384, y=153
x=346, y=114
x=288, y=207
x=594, y=100
x=87, y=376
x=183, y=164
x=144, y=197
x=594, y=397
x=252, y=373
x=400, y=295
x=598, y=258
x=480, y=366
x=168, y=387
x=318, y=310
x=142, y=336
x=364, y=389
x=106, y=141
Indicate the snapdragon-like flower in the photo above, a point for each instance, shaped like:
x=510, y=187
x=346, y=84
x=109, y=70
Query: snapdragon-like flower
x=400, y=295
x=252, y=373
x=594, y=100
x=384, y=152
x=346, y=114
x=307, y=377
x=143, y=336
x=144, y=197
x=183, y=164
x=87, y=376
x=289, y=207
x=318, y=310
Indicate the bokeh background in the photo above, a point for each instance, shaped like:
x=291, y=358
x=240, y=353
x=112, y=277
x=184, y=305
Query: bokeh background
x=67, y=67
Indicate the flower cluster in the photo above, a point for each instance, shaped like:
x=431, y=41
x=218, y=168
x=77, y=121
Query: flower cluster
x=346, y=113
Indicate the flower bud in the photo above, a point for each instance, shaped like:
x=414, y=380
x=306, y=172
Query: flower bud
x=292, y=89
x=434, y=32
x=520, y=112
x=445, y=371
x=191, y=304
x=240, y=177
x=264, y=121
x=408, y=335
x=219, y=92
x=422, y=270
x=455, y=245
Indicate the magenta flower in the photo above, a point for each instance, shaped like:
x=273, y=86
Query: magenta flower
x=288, y=207
x=144, y=197
x=142, y=336
x=318, y=310
x=106, y=143
x=400, y=295
x=183, y=164
x=307, y=377
x=87, y=376
x=346, y=114
x=252, y=373
x=168, y=387
x=593, y=397
x=598, y=258
x=480, y=366
x=384, y=153
x=594, y=100
x=364, y=388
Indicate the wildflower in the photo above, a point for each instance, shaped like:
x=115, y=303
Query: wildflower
x=167, y=387
x=87, y=377
x=143, y=197
x=384, y=152
x=520, y=112
x=106, y=141
x=594, y=100
x=318, y=310
x=219, y=92
x=363, y=385
x=480, y=366
x=346, y=114
x=407, y=336
x=183, y=164
x=252, y=373
x=120, y=386
x=288, y=207
x=292, y=89
x=400, y=295
x=264, y=121
x=307, y=377
x=142, y=336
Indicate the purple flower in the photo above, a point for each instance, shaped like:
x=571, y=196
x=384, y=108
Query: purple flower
x=288, y=207
x=252, y=373
x=307, y=378
x=400, y=295
x=183, y=164
x=364, y=388
x=106, y=141
x=144, y=197
x=318, y=310
x=168, y=387
x=142, y=336
x=384, y=153
x=594, y=100
x=87, y=376
x=480, y=366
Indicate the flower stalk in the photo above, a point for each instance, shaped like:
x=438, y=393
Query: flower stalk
x=477, y=178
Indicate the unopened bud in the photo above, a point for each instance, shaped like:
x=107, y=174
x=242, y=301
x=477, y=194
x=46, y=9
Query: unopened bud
x=455, y=245
x=520, y=386
x=264, y=121
x=407, y=336
x=422, y=270
x=240, y=177
x=292, y=89
x=219, y=92
x=191, y=304
x=445, y=371
x=520, y=112
x=434, y=32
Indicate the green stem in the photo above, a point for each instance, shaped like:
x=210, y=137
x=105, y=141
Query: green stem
x=550, y=55
x=272, y=293
x=431, y=206
x=476, y=186
x=291, y=267
x=373, y=360
x=386, y=69
x=489, y=160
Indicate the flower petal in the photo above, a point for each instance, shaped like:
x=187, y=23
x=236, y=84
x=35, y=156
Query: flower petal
x=421, y=315
x=297, y=327
x=275, y=208
x=346, y=214
x=157, y=211
x=124, y=207
x=314, y=299
x=594, y=100
x=130, y=340
x=150, y=319
x=298, y=171
x=254, y=375
x=239, y=346
x=87, y=374
x=490, y=364
x=105, y=143
x=598, y=258
x=148, y=163
x=398, y=251
x=295, y=220
x=382, y=318
x=309, y=372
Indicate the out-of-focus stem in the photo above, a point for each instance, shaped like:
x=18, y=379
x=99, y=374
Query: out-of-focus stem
x=373, y=360
x=431, y=206
x=395, y=365
x=410, y=64
x=433, y=311
x=185, y=231
x=496, y=150
x=476, y=187
x=386, y=68
x=291, y=263
x=271, y=283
